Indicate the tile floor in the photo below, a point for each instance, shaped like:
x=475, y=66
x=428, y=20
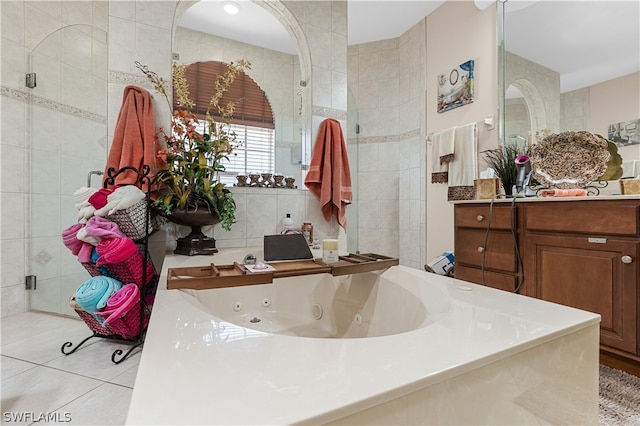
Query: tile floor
x=84, y=388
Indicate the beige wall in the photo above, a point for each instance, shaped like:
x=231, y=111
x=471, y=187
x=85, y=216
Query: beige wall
x=456, y=32
x=615, y=101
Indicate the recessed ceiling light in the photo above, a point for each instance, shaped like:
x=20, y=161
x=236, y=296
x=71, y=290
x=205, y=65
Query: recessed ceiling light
x=230, y=7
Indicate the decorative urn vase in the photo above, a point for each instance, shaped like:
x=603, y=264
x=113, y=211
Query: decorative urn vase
x=196, y=243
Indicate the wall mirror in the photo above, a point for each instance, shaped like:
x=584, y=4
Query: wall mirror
x=277, y=72
x=553, y=54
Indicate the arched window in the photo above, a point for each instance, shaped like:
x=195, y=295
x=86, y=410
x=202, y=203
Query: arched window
x=252, y=120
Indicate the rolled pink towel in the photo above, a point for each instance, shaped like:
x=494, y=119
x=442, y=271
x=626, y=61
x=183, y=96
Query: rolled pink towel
x=103, y=228
x=575, y=192
x=70, y=238
x=115, y=250
x=120, y=303
x=84, y=255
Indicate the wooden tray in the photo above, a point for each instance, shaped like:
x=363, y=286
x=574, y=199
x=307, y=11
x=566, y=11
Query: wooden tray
x=217, y=276
x=212, y=276
x=299, y=267
x=357, y=263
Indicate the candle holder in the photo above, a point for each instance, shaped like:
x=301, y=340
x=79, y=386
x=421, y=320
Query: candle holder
x=266, y=180
x=253, y=179
x=278, y=181
x=290, y=182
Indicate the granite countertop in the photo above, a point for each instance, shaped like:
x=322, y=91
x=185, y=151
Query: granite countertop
x=546, y=199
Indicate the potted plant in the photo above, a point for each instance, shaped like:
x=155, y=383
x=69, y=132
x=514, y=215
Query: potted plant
x=196, y=148
x=503, y=161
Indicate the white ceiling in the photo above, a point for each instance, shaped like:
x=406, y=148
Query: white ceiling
x=368, y=21
x=585, y=41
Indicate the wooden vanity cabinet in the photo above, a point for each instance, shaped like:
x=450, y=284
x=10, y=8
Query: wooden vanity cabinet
x=578, y=253
x=487, y=258
x=585, y=254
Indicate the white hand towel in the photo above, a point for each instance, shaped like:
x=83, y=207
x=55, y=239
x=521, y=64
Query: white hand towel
x=443, y=146
x=463, y=169
x=81, y=196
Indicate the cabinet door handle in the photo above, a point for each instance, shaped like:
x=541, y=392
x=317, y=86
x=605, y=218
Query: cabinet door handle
x=480, y=218
x=481, y=249
x=626, y=259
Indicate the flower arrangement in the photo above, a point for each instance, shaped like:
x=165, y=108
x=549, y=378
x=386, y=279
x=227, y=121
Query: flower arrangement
x=194, y=154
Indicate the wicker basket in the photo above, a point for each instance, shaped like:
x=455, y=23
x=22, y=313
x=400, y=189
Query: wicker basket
x=91, y=268
x=630, y=186
x=96, y=271
x=130, y=271
x=131, y=221
x=128, y=325
x=94, y=322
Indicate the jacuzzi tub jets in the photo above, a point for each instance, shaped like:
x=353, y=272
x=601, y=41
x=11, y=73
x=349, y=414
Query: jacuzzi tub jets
x=317, y=311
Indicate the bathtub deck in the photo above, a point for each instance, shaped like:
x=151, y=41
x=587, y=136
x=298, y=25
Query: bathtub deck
x=497, y=358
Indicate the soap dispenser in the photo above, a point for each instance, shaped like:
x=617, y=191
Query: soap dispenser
x=287, y=223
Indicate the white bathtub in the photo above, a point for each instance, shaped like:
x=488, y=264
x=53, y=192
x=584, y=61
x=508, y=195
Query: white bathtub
x=397, y=347
x=352, y=306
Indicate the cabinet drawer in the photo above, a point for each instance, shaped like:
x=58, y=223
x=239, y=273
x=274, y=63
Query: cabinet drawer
x=596, y=217
x=499, y=252
x=477, y=216
x=491, y=279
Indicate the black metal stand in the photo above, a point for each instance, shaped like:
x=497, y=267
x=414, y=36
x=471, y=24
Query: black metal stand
x=147, y=288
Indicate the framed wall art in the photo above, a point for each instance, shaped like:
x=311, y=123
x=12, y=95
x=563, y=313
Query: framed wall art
x=455, y=87
x=625, y=133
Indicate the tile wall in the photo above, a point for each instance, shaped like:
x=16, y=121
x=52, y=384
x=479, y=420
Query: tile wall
x=543, y=85
x=51, y=138
x=138, y=31
x=574, y=110
x=387, y=83
x=388, y=80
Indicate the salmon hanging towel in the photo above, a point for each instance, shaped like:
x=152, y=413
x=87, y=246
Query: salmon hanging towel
x=134, y=139
x=329, y=177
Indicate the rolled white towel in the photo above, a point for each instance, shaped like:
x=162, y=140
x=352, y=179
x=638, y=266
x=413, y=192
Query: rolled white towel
x=120, y=199
x=85, y=212
x=81, y=196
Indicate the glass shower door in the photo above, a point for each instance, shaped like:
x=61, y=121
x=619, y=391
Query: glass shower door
x=352, y=136
x=67, y=139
